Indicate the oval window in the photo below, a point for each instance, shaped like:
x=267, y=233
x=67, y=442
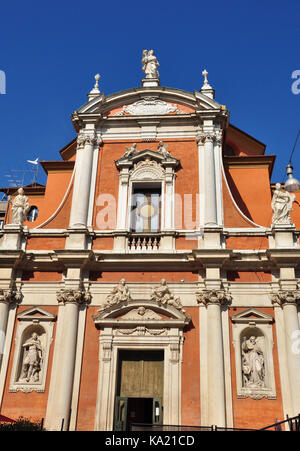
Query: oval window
x=32, y=214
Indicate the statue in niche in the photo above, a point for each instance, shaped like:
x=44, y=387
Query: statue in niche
x=282, y=203
x=32, y=360
x=163, y=295
x=120, y=293
x=20, y=208
x=150, y=64
x=253, y=364
x=162, y=148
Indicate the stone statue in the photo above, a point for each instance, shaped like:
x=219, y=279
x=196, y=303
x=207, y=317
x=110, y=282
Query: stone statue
x=150, y=64
x=120, y=293
x=20, y=208
x=162, y=148
x=253, y=366
x=163, y=295
x=130, y=151
x=32, y=361
x=282, y=203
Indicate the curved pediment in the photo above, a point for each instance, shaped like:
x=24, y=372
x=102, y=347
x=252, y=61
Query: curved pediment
x=144, y=312
x=149, y=102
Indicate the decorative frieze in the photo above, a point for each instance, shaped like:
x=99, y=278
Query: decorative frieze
x=80, y=296
x=217, y=297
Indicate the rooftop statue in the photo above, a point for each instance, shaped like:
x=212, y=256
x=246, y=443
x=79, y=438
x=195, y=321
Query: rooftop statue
x=150, y=64
x=282, y=203
x=20, y=208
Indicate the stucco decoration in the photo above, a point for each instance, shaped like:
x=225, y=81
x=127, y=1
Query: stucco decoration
x=282, y=203
x=20, y=208
x=149, y=106
x=162, y=295
x=130, y=151
x=150, y=64
x=162, y=148
x=119, y=294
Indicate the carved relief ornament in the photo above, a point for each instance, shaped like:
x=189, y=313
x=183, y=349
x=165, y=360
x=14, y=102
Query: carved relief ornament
x=285, y=297
x=10, y=296
x=149, y=106
x=79, y=296
x=218, y=297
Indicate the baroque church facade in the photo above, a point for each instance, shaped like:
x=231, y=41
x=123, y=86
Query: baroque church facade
x=155, y=278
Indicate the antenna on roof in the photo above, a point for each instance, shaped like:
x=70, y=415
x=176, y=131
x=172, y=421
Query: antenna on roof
x=35, y=164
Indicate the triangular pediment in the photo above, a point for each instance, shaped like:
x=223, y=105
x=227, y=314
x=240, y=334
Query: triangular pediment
x=146, y=155
x=252, y=315
x=36, y=314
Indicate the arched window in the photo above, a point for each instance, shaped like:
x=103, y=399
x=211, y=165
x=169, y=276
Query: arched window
x=32, y=214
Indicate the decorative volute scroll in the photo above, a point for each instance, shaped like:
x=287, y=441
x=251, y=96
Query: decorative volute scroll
x=79, y=296
x=90, y=138
x=219, y=297
x=10, y=296
x=285, y=297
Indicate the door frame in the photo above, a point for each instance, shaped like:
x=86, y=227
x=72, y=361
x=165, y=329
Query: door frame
x=159, y=334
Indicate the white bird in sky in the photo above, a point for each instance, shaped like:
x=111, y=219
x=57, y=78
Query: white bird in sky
x=36, y=162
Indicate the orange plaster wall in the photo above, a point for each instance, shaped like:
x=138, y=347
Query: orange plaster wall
x=46, y=243
x=232, y=217
x=103, y=243
x=256, y=413
x=249, y=276
x=29, y=405
x=135, y=276
x=250, y=187
x=89, y=375
x=190, y=397
x=186, y=182
x=247, y=242
x=183, y=243
x=42, y=276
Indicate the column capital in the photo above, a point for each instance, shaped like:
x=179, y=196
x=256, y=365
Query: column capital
x=209, y=136
x=71, y=296
x=10, y=296
x=215, y=297
x=281, y=298
x=89, y=138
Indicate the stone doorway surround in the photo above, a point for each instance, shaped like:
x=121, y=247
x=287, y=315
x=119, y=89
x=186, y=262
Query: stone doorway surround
x=138, y=325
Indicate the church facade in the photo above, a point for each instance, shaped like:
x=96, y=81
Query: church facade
x=155, y=278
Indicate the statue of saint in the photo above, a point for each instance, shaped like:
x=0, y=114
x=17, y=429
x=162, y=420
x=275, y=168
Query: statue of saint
x=150, y=64
x=20, y=208
x=282, y=203
x=120, y=293
x=163, y=295
x=32, y=359
x=253, y=366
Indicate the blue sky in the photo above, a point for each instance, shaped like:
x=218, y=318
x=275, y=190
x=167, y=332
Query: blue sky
x=50, y=52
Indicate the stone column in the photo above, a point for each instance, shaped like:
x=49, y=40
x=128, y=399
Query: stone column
x=61, y=385
x=206, y=144
x=288, y=301
x=7, y=298
x=213, y=300
x=82, y=183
